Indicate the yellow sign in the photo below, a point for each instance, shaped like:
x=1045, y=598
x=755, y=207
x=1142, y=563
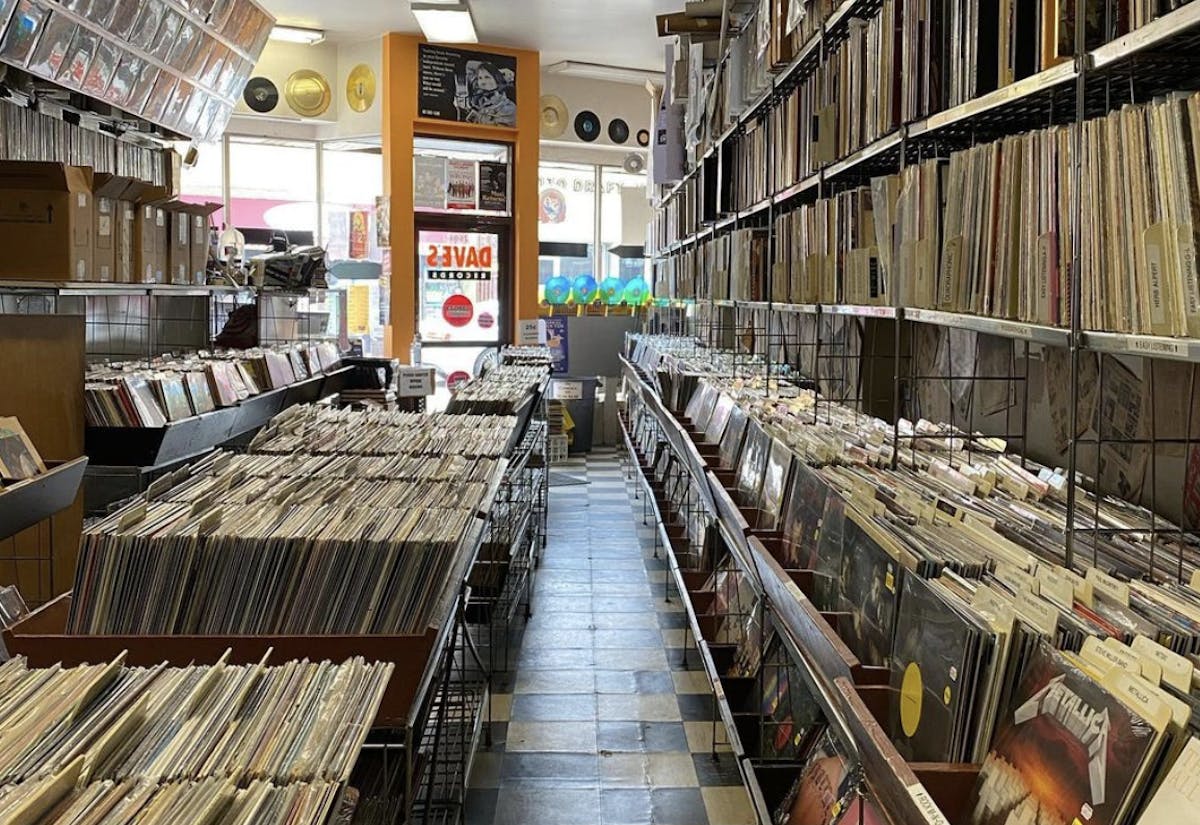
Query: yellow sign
x=358, y=309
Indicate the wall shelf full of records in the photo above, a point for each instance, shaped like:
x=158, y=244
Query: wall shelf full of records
x=883, y=637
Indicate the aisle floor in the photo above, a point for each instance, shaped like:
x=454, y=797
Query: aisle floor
x=604, y=721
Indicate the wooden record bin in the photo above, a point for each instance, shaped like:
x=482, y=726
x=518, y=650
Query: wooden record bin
x=42, y=638
x=859, y=695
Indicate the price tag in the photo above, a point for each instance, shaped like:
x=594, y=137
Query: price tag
x=528, y=334
x=1158, y=346
x=416, y=383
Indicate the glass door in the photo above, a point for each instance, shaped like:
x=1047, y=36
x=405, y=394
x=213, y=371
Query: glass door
x=463, y=286
x=464, y=281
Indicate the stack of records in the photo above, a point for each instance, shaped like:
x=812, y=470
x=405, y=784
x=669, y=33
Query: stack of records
x=500, y=391
x=243, y=743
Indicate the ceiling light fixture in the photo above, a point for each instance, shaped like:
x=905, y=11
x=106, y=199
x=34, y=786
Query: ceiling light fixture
x=297, y=34
x=600, y=71
x=445, y=22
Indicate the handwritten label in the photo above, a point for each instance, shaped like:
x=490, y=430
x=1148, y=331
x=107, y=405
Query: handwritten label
x=925, y=804
x=416, y=383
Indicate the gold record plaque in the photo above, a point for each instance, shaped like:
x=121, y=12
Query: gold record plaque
x=308, y=93
x=360, y=88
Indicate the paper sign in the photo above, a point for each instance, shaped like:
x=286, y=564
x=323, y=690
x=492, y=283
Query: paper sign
x=568, y=390
x=416, y=382
x=528, y=334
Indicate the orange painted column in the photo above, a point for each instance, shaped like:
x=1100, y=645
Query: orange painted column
x=401, y=125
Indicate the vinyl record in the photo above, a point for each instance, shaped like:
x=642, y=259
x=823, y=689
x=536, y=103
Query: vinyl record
x=308, y=93
x=643, y=137
x=360, y=88
x=554, y=116
x=587, y=126
x=618, y=131
x=261, y=95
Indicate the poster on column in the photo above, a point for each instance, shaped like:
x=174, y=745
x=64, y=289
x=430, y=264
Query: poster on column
x=466, y=86
x=556, y=339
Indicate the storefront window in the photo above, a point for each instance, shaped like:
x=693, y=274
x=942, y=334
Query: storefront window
x=204, y=182
x=624, y=214
x=580, y=261
x=273, y=187
x=353, y=179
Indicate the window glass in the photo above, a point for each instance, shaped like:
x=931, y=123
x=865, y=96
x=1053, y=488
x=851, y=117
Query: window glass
x=353, y=179
x=204, y=182
x=461, y=177
x=624, y=214
x=273, y=186
x=566, y=232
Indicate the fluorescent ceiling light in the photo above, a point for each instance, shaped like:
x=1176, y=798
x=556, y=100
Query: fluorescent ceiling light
x=445, y=22
x=296, y=34
x=613, y=74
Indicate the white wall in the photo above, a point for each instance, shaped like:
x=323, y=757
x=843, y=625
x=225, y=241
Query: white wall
x=334, y=62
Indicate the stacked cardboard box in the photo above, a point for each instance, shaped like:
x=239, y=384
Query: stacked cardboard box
x=62, y=223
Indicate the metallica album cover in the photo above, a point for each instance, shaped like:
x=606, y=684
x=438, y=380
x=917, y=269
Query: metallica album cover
x=1066, y=751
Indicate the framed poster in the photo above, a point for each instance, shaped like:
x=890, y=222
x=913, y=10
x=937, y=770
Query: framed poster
x=461, y=192
x=493, y=186
x=466, y=86
x=429, y=182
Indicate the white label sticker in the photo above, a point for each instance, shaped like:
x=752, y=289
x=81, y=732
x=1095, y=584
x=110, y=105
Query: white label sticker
x=80, y=270
x=1158, y=346
x=568, y=390
x=416, y=383
x=933, y=815
x=104, y=226
x=528, y=334
x=82, y=200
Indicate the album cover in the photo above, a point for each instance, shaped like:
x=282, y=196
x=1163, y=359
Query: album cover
x=870, y=577
x=802, y=516
x=929, y=671
x=827, y=579
x=731, y=439
x=714, y=430
x=775, y=478
x=19, y=460
x=753, y=463
x=1065, y=751
x=827, y=777
x=791, y=715
x=860, y=810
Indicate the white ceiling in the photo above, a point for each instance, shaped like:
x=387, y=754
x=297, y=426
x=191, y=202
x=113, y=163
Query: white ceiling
x=616, y=32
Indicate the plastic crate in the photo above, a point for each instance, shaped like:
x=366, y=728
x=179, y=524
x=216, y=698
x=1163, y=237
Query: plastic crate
x=556, y=448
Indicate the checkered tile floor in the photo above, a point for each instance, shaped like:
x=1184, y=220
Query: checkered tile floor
x=605, y=721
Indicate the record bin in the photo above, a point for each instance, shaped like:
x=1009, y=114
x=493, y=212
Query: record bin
x=25, y=504
x=857, y=697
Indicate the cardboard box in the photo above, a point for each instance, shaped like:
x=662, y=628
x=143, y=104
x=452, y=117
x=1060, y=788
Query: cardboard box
x=149, y=233
x=111, y=260
x=126, y=234
x=201, y=218
x=179, y=242
x=46, y=221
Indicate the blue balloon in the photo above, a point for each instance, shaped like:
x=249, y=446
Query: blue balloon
x=584, y=289
x=636, y=292
x=558, y=289
x=612, y=291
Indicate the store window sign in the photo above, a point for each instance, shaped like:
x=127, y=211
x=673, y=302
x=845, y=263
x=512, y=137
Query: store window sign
x=553, y=206
x=458, y=262
x=458, y=311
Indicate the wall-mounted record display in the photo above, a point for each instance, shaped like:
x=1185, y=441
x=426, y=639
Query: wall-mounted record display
x=618, y=131
x=587, y=126
x=360, y=88
x=261, y=95
x=183, y=70
x=554, y=116
x=308, y=93
x=643, y=137
x=466, y=86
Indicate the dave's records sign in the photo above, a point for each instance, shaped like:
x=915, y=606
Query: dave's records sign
x=467, y=86
x=459, y=262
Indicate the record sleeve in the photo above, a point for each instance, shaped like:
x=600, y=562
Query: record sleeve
x=827, y=777
x=731, y=438
x=19, y=460
x=802, y=517
x=1066, y=750
x=870, y=578
x=929, y=668
x=753, y=464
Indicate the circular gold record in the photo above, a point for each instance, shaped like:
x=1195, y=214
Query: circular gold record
x=308, y=93
x=360, y=88
x=554, y=116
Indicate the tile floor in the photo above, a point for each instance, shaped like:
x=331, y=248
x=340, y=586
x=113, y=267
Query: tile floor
x=604, y=721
